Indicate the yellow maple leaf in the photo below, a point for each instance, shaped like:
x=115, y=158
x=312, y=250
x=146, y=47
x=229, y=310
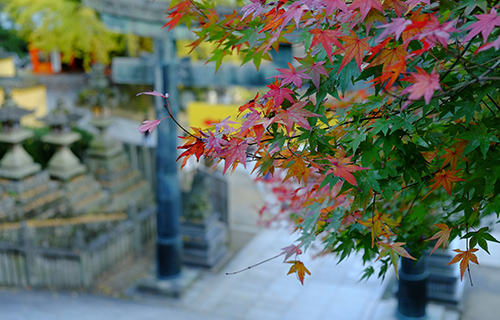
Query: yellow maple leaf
x=299, y=269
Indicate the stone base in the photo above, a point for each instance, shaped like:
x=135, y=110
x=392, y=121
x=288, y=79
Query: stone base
x=174, y=288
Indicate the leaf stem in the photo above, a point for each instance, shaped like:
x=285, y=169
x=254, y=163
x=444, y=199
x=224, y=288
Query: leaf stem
x=254, y=265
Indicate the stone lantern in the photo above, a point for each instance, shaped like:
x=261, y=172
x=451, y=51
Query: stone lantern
x=17, y=163
x=64, y=164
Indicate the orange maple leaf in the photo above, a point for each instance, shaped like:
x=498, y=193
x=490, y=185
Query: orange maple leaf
x=444, y=178
x=298, y=168
x=299, y=269
x=388, y=57
x=453, y=155
x=443, y=236
x=353, y=48
x=342, y=169
x=464, y=257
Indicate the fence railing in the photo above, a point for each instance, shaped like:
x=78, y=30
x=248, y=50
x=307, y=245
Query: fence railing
x=27, y=264
x=143, y=158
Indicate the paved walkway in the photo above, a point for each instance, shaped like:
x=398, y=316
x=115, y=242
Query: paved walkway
x=264, y=292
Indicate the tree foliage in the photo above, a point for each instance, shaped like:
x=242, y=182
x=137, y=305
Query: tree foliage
x=382, y=135
x=75, y=30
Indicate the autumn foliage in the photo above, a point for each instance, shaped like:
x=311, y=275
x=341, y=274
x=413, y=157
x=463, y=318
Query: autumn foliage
x=384, y=132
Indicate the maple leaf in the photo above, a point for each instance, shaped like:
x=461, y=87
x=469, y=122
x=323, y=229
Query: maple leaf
x=464, y=257
x=444, y=178
x=485, y=25
x=413, y=3
x=389, y=57
x=314, y=69
x=331, y=5
x=434, y=31
x=278, y=93
x=365, y=6
x=380, y=225
x=180, y=13
x=290, y=251
x=194, y=146
x=292, y=75
x=154, y=93
x=215, y=142
x=327, y=38
x=254, y=8
x=295, y=114
x=452, y=156
x=295, y=12
x=353, y=48
x=224, y=125
x=443, y=236
x=494, y=44
x=398, y=6
x=424, y=85
x=394, y=250
x=150, y=125
x=342, y=168
x=299, y=269
x=396, y=27
x=298, y=169
x=235, y=151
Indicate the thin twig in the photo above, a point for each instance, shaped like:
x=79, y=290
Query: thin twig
x=253, y=266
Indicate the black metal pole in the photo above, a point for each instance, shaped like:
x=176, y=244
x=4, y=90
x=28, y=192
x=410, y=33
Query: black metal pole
x=168, y=195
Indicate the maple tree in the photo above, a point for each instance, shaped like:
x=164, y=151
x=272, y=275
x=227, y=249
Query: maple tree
x=389, y=102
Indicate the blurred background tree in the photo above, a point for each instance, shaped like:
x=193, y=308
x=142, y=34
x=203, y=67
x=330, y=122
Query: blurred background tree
x=66, y=25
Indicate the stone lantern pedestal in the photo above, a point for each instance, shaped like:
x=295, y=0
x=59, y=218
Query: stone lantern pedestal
x=64, y=165
x=17, y=163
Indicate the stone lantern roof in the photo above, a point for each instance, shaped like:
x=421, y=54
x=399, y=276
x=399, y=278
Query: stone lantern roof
x=10, y=111
x=11, y=114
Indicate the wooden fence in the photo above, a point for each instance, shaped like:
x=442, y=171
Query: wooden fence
x=28, y=265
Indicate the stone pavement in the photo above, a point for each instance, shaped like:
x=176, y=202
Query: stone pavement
x=264, y=292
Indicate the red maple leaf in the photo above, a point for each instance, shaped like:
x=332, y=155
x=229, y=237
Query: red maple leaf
x=494, y=44
x=331, y=5
x=327, y=38
x=194, y=146
x=424, y=85
x=254, y=8
x=413, y=3
x=295, y=114
x=290, y=251
x=292, y=75
x=235, y=152
x=314, y=69
x=342, y=168
x=295, y=12
x=150, y=125
x=179, y=14
x=353, y=48
x=365, y=6
x=396, y=27
x=278, y=93
x=485, y=25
